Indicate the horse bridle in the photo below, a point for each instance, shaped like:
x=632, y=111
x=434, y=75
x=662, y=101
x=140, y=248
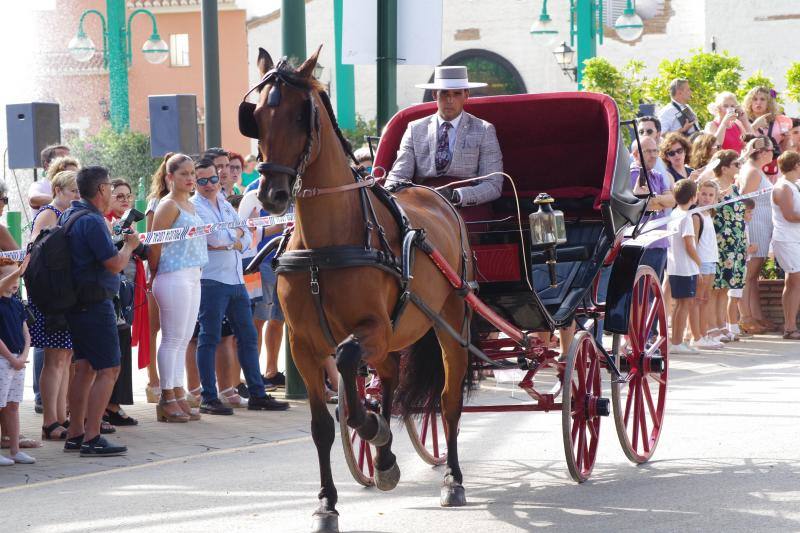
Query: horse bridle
x=278, y=77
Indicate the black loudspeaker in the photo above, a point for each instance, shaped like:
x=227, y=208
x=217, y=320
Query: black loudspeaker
x=173, y=124
x=31, y=127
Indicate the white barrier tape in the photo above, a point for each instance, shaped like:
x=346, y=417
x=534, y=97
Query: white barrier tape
x=180, y=234
x=650, y=232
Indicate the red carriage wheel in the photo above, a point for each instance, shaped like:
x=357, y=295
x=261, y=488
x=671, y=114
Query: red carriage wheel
x=357, y=452
x=427, y=437
x=582, y=406
x=643, y=361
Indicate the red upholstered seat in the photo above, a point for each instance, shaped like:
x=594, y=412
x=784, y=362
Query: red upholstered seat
x=559, y=143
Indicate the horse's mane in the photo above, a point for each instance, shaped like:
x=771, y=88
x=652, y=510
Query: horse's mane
x=290, y=74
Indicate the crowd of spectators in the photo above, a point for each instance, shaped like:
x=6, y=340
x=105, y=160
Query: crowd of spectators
x=192, y=291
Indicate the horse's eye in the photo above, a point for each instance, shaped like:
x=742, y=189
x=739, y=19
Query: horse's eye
x=299, y=118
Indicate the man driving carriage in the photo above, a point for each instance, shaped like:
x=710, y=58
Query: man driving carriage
x=451, y=143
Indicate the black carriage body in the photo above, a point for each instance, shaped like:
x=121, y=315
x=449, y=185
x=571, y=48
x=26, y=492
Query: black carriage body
x=565, y=144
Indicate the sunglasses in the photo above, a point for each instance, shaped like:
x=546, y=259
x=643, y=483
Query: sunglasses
x=121, y=197
x=673, y=153
x=4, y=200
x=647, y=131
x=213, y=180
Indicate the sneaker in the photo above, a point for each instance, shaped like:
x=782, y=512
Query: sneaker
x=38, y=408
x=707, y=343
x=73, y=444
x=6, y=461
x=99, y=447
x=215, y=407
x=267, y=403
x=243, y=391
x=682, y=348
x=275, y=382
x=23, y=458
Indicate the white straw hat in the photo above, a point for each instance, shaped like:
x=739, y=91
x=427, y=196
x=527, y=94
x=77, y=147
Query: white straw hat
x=450, y=78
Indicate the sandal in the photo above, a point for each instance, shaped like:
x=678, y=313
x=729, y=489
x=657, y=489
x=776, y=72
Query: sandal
x=153, y=394
x=752, y=327
x=24, y=442
x=768, y=325
x=194, y=398
x=230, y=398
x=106, y=428
x=192, y=412
x=47, y=432
x=792, y=335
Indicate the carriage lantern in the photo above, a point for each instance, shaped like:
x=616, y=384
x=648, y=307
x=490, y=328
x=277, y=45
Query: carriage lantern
x=547, y=231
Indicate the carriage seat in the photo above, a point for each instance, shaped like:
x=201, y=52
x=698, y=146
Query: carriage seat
x=575, y=268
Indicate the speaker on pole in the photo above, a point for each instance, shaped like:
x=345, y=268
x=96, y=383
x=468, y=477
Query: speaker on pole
x=31, y=127
x=173, y=124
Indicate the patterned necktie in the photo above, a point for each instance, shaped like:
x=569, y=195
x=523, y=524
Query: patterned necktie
x=443, y=155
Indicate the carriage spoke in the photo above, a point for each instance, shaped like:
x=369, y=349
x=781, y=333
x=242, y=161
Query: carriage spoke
x=629, y=400
x=658, y=378
x=361, y=454
x=581, y=445
x=635, y=427
x=369, y=461
x=434, y=435
x=592, y=430
x=424, y=436
x=649, y=397
x=643, y=424
x=575, y=427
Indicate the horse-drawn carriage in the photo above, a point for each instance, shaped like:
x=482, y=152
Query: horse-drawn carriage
x=365, y=274
x=568, y=146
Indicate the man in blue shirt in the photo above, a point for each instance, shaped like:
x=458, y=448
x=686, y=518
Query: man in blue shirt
x=223, y=293
x=95, y=264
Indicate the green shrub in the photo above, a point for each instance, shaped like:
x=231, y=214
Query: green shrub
x=125, y=155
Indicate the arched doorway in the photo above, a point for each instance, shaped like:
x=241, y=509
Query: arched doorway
x=487, y=67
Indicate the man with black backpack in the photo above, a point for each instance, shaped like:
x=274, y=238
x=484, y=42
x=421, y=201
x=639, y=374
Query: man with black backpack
x=95, y=265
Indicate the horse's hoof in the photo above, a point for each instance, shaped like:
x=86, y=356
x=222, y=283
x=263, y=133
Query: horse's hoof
x=387, y=479
x=325, y=522
x=384, y=433
x=453, y=495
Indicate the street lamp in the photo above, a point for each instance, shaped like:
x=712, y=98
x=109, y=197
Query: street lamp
x=629, y=25
x=117, y=53
x=565, y=57
x=543, y=26
x=586, y=27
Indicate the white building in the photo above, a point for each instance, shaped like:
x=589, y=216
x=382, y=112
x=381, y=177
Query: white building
x=495, y=34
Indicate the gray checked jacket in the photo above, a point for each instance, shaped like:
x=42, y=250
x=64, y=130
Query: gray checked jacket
x=476, y=152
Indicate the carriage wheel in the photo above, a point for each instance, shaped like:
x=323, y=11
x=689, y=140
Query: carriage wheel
x=642, y=358
x=427, y=437
x=357, y=452
x=582, y=406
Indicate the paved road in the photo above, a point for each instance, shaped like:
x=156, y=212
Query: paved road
x=728, y=461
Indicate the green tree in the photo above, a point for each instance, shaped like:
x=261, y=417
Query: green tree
x=793, y=82
x=125, y=155
x=625, y=86
x=708, y=74
x=357, y=134
x=758, y=79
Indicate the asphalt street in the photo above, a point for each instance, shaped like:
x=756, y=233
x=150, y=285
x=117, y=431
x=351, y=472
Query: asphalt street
x=728, y=460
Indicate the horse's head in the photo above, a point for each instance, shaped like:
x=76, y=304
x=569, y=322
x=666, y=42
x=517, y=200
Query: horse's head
x=286, y=123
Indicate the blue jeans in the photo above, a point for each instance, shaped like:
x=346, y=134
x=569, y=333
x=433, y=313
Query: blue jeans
x=38, y=364
x=218, y=300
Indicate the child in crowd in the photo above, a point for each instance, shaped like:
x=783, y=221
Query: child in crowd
x=735, y=295
x=706, y=337
x=683, y=262
x=14, y=344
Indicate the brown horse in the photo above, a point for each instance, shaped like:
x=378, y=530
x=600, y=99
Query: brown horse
x=348, y=310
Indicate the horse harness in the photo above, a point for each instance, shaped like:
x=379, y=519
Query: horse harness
x=346, y=256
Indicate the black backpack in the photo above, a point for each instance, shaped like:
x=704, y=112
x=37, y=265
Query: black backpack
x=48, y=278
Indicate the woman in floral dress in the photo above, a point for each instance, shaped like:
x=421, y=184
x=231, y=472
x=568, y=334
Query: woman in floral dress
x=732, y=244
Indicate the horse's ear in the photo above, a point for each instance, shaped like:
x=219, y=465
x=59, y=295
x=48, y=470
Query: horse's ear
x=264, y=62
x=307, y=68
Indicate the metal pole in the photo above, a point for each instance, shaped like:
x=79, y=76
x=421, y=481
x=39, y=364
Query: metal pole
x=387, y=61
x=345, y=77
x=586, y=29
x=117, y=65
x=213, y=125
x=293, y=40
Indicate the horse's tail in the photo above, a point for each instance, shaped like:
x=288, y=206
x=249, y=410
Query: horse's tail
x=422, y=378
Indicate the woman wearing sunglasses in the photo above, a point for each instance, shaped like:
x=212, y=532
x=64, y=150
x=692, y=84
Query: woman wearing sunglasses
x=7, y=242
x=756, y=154
x=675, y=151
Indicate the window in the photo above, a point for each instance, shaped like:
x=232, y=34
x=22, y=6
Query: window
x=179, y=50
